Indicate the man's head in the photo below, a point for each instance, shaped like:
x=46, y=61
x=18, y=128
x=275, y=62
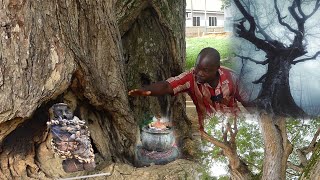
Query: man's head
x=207, y=65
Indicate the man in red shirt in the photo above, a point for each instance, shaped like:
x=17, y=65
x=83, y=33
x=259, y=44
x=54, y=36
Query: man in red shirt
x=211, y=87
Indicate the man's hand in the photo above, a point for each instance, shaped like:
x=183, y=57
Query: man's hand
x=139, y=92
x=154, y=89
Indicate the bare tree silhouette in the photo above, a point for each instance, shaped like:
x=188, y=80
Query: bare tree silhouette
x=281, y=52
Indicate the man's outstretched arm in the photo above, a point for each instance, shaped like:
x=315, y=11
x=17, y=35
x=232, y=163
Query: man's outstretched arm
x=155, y=89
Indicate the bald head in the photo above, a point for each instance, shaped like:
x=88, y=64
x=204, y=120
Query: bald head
x=210, y=55
x=207, y=65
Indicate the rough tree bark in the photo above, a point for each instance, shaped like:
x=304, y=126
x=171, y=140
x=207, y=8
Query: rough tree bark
x=153, y=39
x=277, y=147
x=72, y=51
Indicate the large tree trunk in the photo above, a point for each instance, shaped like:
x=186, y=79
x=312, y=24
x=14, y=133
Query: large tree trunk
x=277, y=147
x=275, y=96
x=276, y=99
x=71, y=51
x=153, y=38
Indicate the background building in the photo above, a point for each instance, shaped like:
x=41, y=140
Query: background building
x=205, y=17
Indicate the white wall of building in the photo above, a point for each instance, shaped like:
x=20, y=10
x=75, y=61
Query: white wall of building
x=211, y=5
x=220, y=19
x=204, y=9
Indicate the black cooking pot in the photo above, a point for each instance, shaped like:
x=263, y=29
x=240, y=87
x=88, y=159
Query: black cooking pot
x=157, y=139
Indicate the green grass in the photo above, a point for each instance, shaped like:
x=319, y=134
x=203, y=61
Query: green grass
x=195, y=45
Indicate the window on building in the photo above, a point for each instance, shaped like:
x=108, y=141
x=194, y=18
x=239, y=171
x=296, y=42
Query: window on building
x=188, y=15
x=212, y=21
x=196, y=21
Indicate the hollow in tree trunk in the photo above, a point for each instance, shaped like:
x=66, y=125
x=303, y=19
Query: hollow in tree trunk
x=72, y=52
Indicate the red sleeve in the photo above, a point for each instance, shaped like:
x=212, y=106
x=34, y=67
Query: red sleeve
x=181, y=83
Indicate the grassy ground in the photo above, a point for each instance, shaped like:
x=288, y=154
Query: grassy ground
x=194, y=46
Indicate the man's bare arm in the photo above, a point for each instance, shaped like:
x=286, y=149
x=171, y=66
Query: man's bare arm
x=155, y=89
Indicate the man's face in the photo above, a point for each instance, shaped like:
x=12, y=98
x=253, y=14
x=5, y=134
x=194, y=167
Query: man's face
x=205, y=70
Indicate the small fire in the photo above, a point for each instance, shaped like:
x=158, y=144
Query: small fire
x=159, y=123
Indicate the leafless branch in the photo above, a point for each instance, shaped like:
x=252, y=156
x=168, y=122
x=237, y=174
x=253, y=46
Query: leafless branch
x=306, y=59
x=260, y=29
x=240, y=19
x=299, y=8
x=294, y=13
x=316, y=7
x=250, y=34
x=280, y=19
x=253, y=60
x=246, y=15
x=260, y=80
x=294, y=167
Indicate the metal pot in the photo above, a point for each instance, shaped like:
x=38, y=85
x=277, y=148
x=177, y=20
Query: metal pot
x=157, y=140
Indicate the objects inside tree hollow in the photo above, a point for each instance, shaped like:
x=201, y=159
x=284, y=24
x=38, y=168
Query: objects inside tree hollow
x=158, y=144
x=70, y=139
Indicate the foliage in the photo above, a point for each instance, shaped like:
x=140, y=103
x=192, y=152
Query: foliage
x=226, y=4
x=300, y=133
x=250, y=143
x=312, y=162
x=194, y=46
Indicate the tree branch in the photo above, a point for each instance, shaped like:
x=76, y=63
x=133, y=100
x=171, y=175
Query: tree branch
x=302, y=152
x=300, y=23
x=294, y=167
x=261, y=30
x=316, y=7
x=247, y=16
x=306, y=59
x=280, y=19
x=234, y=133
x=250, y=34
x=214, y=141
x=302, y=157
x=252, y=164
x=260, y=80
x=294, y=13
x=299, y=8
x=253, y=60
x=312, y=144
x=225, y=134
x=291, y=173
